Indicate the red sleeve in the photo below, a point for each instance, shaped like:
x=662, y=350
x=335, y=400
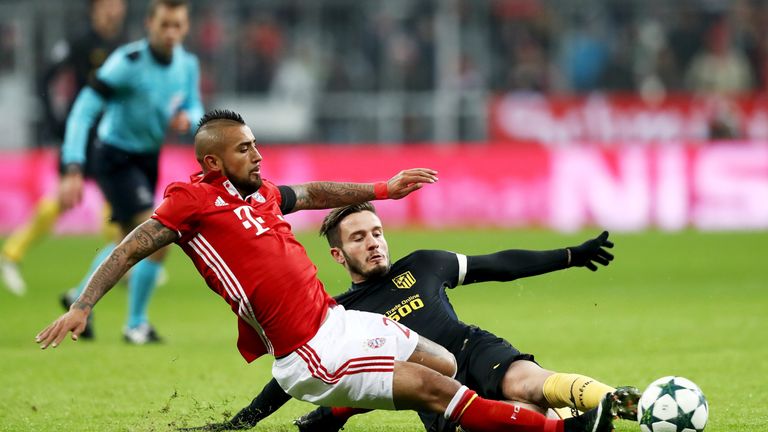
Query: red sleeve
x=179, y=208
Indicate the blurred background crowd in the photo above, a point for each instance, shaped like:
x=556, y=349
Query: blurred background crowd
x=400, y=71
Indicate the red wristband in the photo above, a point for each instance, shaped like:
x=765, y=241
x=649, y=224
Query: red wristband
x=380, y=190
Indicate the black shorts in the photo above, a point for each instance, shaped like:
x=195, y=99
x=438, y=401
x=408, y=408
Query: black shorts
x=482, y=364
x=127, y=180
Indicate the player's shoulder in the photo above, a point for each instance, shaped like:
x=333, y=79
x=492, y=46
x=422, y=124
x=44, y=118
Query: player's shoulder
x=429, y=255
x=188, y=57
x=132, y=51
x=191, y=190
x=268, y=187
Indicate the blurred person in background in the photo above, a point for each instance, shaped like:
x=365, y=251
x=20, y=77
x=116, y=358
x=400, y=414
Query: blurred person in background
x=720, y=67
x=76, y=59
x=144, y=89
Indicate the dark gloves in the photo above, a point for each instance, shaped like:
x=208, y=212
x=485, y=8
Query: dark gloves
x=591, y=252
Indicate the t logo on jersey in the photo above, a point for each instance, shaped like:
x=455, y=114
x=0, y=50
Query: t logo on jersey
x=245, y=214
x=404, y=281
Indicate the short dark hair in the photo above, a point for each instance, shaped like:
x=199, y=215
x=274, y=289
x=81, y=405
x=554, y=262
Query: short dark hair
x=220, y=114
x=154, y=4
x=330, y=226
x=93, y=3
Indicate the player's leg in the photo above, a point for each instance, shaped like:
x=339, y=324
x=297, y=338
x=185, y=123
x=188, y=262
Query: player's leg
x=15, y=248
x=578, y=391
x=113, y=233
x=128, y=183
x=529, y=382
x=419, y=388
x=66, y=299
x=328, y=419
x=499, y=371
x=141, y=285
x=145, y=275
x=359, y=359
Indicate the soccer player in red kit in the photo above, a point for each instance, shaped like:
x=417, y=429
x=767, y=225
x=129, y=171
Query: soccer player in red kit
x=230, y=223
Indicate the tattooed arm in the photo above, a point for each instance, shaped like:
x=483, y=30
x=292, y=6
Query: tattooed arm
x=139, y=244
x=325, y=195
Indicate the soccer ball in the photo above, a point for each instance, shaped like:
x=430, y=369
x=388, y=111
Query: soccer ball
x=672, y=404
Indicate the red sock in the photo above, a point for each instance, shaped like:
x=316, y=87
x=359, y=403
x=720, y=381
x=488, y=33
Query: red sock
x=482, y=415
x=344, y=413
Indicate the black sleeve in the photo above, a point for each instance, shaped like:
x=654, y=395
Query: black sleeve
x=443, y=264
x=513, y=264
x=103, y=89
x=46, y=81
x=271, y=398
x=287, y=199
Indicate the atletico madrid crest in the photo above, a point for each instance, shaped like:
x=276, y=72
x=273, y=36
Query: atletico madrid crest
x=404, y=281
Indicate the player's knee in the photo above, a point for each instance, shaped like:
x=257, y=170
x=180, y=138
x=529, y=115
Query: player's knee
x=435, y=357
x=524, y=382
x=436, y=391
x=447, y=363
x=421, y=388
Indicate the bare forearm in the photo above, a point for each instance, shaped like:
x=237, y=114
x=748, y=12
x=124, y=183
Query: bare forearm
x=103, y=279
x=325, y=195
x=139, y=244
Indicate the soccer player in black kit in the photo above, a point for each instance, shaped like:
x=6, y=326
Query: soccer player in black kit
x=412, y=291
x=78, y=57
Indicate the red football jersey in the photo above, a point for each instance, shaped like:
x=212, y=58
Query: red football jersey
x=246, y=252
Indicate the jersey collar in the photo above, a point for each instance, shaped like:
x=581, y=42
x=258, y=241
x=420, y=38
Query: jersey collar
x=215, y=178
x=160, y=58
x=369, y=282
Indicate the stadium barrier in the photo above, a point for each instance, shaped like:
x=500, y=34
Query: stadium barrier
x=720, y=186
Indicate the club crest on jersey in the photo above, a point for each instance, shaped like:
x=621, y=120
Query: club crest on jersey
x=404, y=281
x=258, y=197
x=376, y=342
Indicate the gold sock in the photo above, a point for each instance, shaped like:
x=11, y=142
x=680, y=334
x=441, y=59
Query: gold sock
x=574, y=390
x=41, y=223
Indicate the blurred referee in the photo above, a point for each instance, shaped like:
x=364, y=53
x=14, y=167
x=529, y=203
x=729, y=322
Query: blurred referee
x=144, y=89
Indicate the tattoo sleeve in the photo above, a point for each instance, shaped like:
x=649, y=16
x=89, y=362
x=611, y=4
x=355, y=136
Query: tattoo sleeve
x=139, y=244
x=327, y=195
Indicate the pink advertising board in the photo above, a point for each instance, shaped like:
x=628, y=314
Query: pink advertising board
x=622, y=188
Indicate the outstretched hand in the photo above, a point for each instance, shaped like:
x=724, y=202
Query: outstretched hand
x=73, y=321
x=591, y=252
x=408, y=181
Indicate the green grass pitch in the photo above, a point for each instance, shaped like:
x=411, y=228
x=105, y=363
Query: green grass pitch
x=689, y=304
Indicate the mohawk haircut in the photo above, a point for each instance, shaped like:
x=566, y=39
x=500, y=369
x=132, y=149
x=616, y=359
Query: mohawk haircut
x=219, y=114
x=330, y=226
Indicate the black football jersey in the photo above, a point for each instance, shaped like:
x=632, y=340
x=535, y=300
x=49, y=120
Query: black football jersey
x=413, y=293
x=87, y=53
